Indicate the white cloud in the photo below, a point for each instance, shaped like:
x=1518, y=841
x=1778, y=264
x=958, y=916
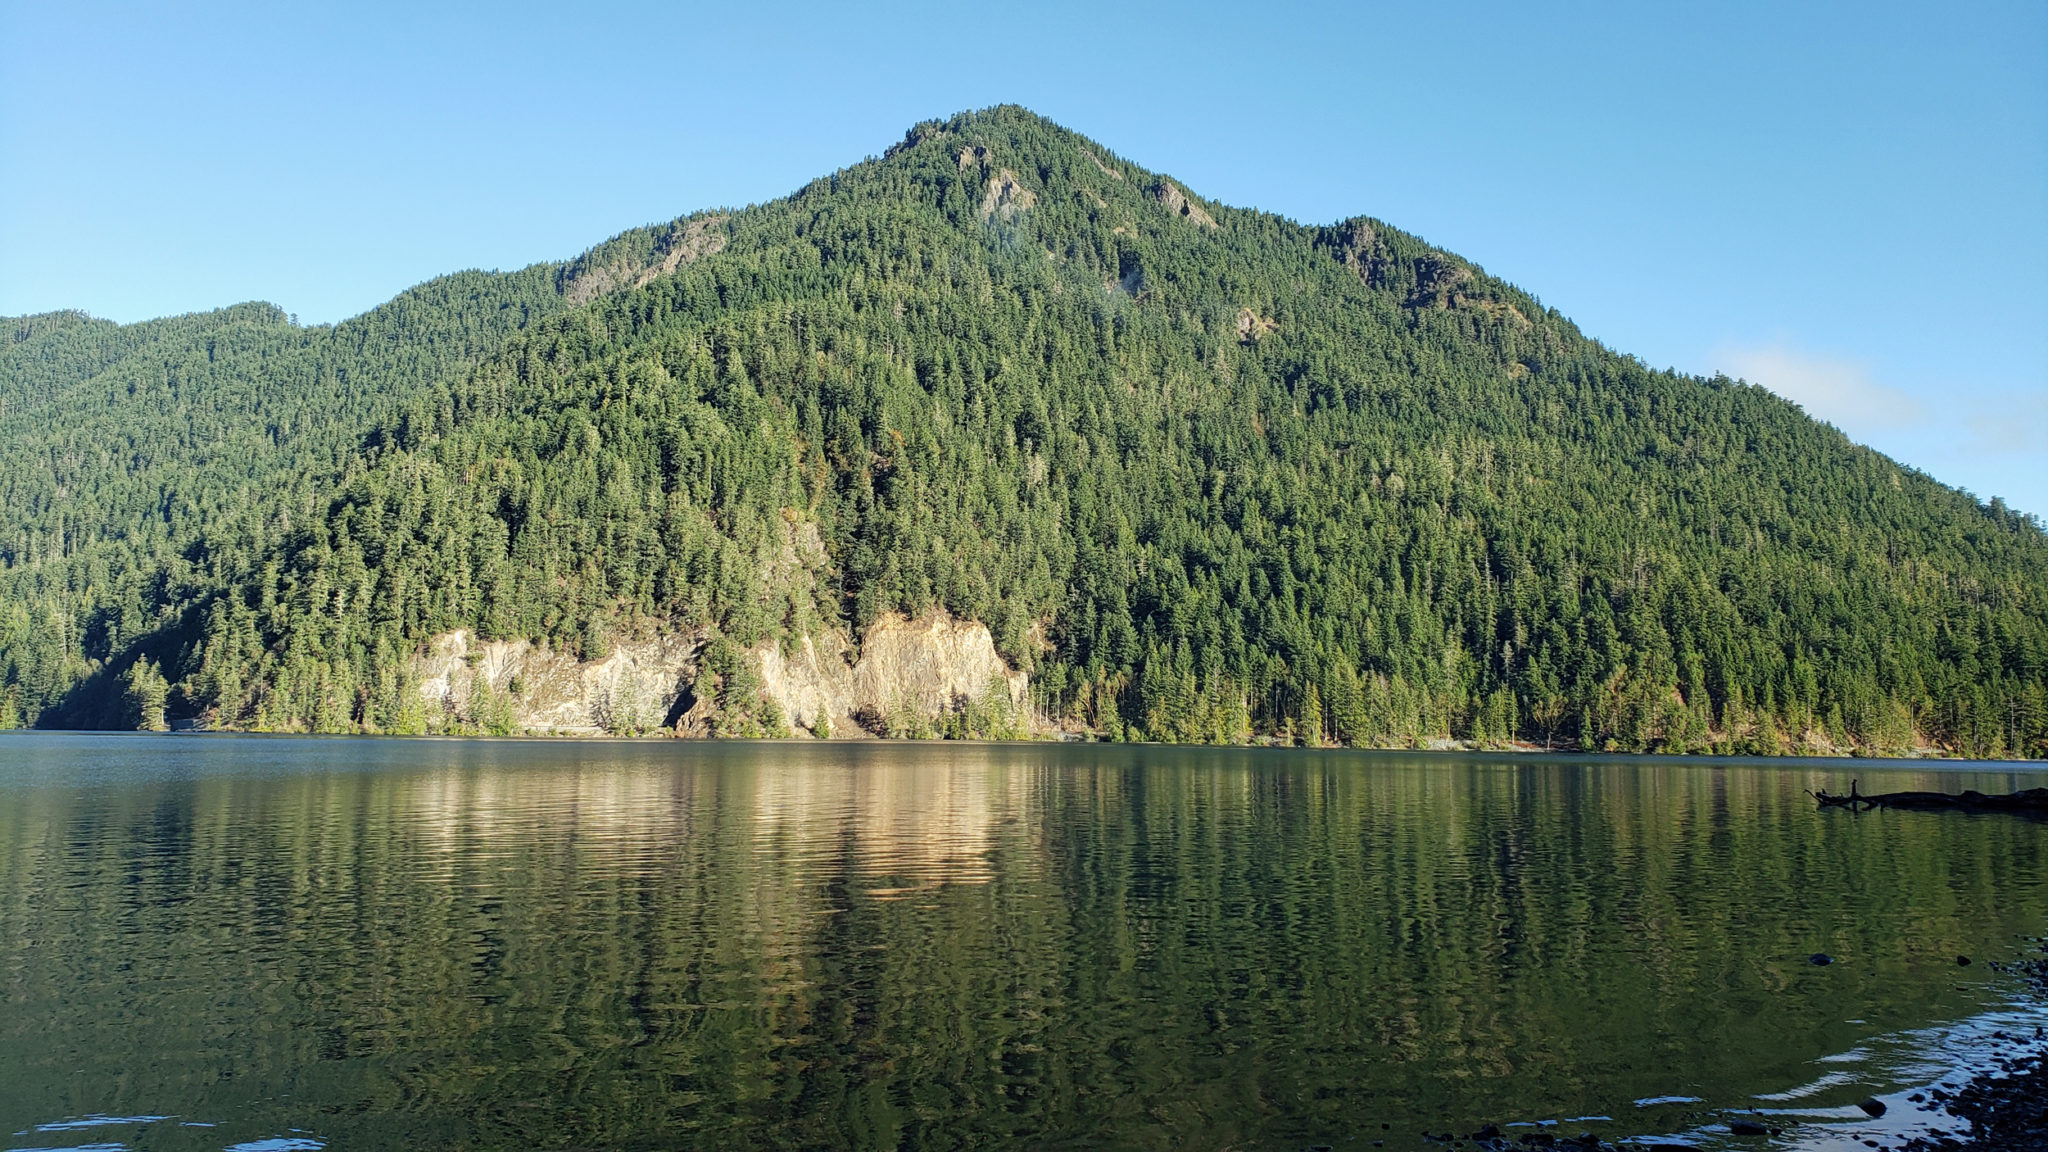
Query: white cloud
x=1840, y=392
x=1987, y=439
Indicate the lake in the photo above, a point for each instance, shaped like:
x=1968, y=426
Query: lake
x=267, y=943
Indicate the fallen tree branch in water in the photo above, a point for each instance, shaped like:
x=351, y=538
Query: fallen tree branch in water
x=2033, y=800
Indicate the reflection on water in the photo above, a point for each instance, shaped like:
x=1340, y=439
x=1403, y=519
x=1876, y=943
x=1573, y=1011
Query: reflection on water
x=923, y=822
x=263, y=943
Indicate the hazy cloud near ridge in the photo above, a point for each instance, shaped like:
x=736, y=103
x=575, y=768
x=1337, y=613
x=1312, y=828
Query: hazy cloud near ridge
x=1843, y=393
x=1989, y=441
x=1838, y=391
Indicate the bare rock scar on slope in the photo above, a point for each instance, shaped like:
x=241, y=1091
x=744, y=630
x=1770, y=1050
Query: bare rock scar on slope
x=1006, y=197
x=923, y=669
x=1178, y=203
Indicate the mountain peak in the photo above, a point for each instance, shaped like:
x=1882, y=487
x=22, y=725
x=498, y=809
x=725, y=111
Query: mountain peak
x=1198, y=472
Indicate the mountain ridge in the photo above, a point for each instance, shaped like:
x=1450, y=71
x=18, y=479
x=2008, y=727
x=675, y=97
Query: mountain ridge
x=1363, y=491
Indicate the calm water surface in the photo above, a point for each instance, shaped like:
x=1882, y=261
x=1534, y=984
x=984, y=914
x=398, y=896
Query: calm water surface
x=278, y=944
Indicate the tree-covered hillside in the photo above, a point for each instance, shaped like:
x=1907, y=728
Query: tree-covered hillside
x=144, y=468
x=1204, y=472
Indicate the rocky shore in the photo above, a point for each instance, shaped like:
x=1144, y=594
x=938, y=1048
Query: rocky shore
x=2007, y=1110
x=2001, y=1108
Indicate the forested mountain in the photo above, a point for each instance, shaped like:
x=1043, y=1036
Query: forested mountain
x=1205, y=473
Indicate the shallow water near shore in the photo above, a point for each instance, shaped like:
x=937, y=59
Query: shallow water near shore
x=298, y=943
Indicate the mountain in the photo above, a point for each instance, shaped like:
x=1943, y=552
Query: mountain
x=1002, y=404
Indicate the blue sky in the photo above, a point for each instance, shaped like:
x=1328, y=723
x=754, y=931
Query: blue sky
x=1846, y=203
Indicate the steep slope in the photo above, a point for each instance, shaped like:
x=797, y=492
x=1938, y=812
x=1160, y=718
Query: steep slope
x=1202, y=472
x=142, y=466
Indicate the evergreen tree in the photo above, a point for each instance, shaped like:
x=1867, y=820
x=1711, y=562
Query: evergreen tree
x=146, y=693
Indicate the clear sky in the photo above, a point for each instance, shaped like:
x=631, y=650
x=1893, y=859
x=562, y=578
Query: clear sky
x=1845, y=202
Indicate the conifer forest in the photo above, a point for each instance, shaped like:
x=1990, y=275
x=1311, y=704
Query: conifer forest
x=1206, y=475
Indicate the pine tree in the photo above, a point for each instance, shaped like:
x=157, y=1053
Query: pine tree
x=147, y=692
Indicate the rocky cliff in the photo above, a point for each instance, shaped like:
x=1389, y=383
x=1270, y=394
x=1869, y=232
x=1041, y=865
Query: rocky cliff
x=508, y=686
x=910, y=674
x=927, y=676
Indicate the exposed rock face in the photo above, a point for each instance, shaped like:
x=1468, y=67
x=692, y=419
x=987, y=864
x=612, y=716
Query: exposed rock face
x=812, y=681
x=1112, y=173
x=699, y=238
x=927, y=667
x=1362, y=250
x=920, y=670
x=635, y=688
x=1440, y=280
x=932, y=664
x=918, y=134
x=1437, y=280
x=1252, y=327
x=1177, y=202
x=1006, y=197
x=684, y=243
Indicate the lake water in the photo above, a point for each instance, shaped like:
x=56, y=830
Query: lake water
x=273, y=944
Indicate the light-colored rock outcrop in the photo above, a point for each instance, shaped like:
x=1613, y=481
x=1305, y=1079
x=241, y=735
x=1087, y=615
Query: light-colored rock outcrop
x=682, y=243
x=1178, y=203
x=1006, y=197
x=916, y=671
x=1252, y=327
x=927, y=668
x=532, y=689
x=812, y=679
x=1112, y=173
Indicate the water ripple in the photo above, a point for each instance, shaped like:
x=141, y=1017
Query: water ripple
x=506, y=944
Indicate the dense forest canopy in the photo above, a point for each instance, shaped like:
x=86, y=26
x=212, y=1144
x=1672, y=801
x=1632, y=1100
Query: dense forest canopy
x=1206, y=473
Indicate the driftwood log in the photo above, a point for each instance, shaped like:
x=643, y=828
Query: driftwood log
x=2034, y=800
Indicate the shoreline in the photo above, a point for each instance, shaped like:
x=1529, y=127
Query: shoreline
x=2007, y=1110
x=1447, y=749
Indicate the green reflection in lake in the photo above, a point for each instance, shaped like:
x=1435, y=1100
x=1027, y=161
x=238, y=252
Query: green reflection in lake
x=387, y=944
